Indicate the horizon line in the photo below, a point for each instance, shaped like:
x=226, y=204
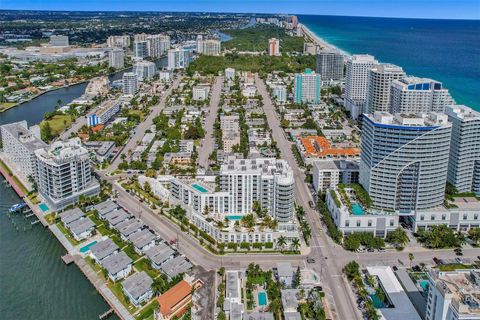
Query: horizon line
x=245, y=13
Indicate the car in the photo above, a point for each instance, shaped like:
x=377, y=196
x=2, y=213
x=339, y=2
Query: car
x=173, y=241
x=310, y=260
x=458, y=252
x=310, y=203
x=435, y=259
x=459, y=260
x=371, y=250
x=381, y=250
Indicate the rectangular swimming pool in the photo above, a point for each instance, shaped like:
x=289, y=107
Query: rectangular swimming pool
x=234, y=218
x=357, y=210
x=262, y=298
x=199, y=188
x=43, y=207
x=87, y=247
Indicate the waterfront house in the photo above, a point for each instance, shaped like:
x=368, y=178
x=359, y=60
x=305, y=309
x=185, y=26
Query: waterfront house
x=118, y=265
x=103, y=249
x=82, y=228
x=138, y=288
x=142, y=240
x=70, y=216
x=176, y=266
x=126, y=228
x=159, y=254
x=174, y=302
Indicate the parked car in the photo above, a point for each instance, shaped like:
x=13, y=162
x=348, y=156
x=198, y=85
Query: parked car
x=310, y=260
x=311, y=204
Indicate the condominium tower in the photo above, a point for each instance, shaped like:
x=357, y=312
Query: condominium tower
x=308, y=87
x=158, y=44
x=418, y=95
x=404, y=160
x=116, y=58
x=273, y=47
x=118, y=41
x=140, y=49
x=380, y=79
x=209, y=47
x=178, y=58
x=130, y=83
x=356, y=83
x=330, y=65
x=145, y=70
x=464, y=165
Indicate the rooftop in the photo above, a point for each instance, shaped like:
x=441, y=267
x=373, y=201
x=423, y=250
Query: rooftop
x=103, y=248
x=137, y=284
x=336, y=164
x=431, y=119
x=169, y=299
x=20, y=131
x=72, y=215
x=81, y=225
x=62, y=151
x=316, y=146
x=176, y=266
x=117, y=262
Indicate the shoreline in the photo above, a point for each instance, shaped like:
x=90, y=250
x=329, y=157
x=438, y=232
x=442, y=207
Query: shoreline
x=309, y=34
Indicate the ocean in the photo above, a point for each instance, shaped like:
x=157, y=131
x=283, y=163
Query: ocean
x=444, y=50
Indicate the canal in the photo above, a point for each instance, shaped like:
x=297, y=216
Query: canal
x=34, y=282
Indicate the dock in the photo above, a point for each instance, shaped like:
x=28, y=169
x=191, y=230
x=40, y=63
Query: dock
x=67, y=259
x=106, y=314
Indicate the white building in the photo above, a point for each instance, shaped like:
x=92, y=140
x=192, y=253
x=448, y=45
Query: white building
x=104, y=113
x=19, y=145
x=200, y=93
x=230, y=74
x=356, y=83
x=98, y=85
x=330, y=65
x=116, y=58
x=138, y=288
x=464, y=164
x=273, y=47
x=58, y=41
x=118, y=41
x=130, y=83
x=178, y=58
x=380, y=80
x=145, y=70
x=327, y=174
x=140, y=49
x=418, y=95
x=64, y=173
x=158, y=44
x=209, y=47
x=230, y=139
x=280, y=93
x=453, y=295
x=165, y=75
x=308, y=87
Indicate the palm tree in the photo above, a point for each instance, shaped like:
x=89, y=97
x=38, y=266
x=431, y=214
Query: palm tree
x=411, y=257
x=295, y=244
x=281, y=242
x=157, y=287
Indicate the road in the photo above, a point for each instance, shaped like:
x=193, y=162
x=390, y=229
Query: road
x=74, y=128
x=343, y=305
x=209, y=141
x=145, y=125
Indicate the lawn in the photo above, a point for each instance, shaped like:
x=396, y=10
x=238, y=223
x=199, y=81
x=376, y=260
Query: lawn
x=455, y=266
x=143, y=265
x=58, y=123
x=67, y=234
x=118, y=292
x=130, y=251
x=97, y=268
x=4, y=106
x=50, y=217
x=147, y=312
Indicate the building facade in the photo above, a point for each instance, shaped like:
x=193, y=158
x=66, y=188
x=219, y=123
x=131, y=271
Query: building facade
x=104, y=113
x=140, y=49
x=59, y=41
x=273, y=47
x=308, y=87
x=380, y=80
x=145, y=70
x=327, y=174
x=116, y=58
x=178, y=58
x=330, y=65
x=118, y=41
x=130, y=83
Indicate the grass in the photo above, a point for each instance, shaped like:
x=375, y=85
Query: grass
x=118, y=292
x=58, y=123
x=130, y=251
x=455, y=266
x=7, y=169
x=4, y=106
x=50, y=218
x=97, y=268
x=143, y=265
x=147, y=312
x=67, y=234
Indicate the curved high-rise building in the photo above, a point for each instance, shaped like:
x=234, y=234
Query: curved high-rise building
x=404, y=160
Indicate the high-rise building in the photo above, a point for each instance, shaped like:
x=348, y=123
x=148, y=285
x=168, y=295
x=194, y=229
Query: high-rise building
x=118, y=41
x=164, y=44
x=209, y=47
x=158, y=44
x=140, y=37
x=308, y=87
x=145, y=70
x=330, y=65
x=65, y=173
x=418, y=95
x=273, y=47
x=404, y=160
x=199, y=43
x=280, y=93
x=178, y=58
x=140, y=49
x=116, y=58
x=464, y=164
x=229, y=73
x=356, y=82
x=19, y=145
x=130, y=83
x=59, y=41
x=380, y=80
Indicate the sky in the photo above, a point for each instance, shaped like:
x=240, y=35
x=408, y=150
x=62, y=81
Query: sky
x=442, y=9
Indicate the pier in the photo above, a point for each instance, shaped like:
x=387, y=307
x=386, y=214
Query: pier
x=67, y=259
x=106, y=314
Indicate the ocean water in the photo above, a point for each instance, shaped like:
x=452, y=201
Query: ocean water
x=444, y=50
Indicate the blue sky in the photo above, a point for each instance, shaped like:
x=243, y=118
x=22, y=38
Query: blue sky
x=449, y=9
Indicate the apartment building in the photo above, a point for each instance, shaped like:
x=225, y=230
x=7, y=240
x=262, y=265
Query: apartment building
x=116, y=58
x=380, y=79
x=104, y=113
x=130, y=83
x=330, y=65
x=308, y=87
x=327, y=174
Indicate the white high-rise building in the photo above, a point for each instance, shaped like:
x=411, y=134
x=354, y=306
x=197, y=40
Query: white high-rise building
x=130, y=83
x=404, y=160
x=308, y=86
x=230, y=74
x=178, y=58
x=116, y=58
x=145, y=70
x=140, y=37
x=209, y=47
x=164, y=44
x=418, y=95
x=330, y=65
x=356, y=83
x=59, y=41
x=273, y=47
x=19, y=145
x=280, y=93
x=199, y=43
x=380, y=80
x=118, y=41
x=158, y=44
x=65, y=173
x=464, y=164
x=140, y=49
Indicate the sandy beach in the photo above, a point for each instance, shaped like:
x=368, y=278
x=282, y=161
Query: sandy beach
x=307, y=33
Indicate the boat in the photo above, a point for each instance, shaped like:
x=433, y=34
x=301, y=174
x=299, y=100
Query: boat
x=17, y=207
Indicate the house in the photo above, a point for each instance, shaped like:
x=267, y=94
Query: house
x=159, y=254
x=70, y=216
x=128, y=227
x=81, y=228
x=285, y=273
x=118, y=265
x=174, y=302
x=105, y=207
x=142, y=240
x=138, y=288
x=103, y=249
x=116, y=217
x=290, y=300
x=176, y=266
x=253, y=315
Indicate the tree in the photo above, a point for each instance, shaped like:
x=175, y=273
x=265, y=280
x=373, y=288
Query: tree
x=474, y=234
x=295, y=244
x=411, y=257
x=158, y=286
x=352, y=270
x=398, y=237
x=281, y=242
x=297, y=278
x=147, y=187
x=46, y=132
x=352, y=243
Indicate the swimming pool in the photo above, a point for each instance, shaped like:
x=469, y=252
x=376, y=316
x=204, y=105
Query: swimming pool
x=262, y=298
x=377, y=303
x=87, y=247
x=234, y=218
x=357, y=210
x=424, y=284
x=199, y=188
x=43, y=207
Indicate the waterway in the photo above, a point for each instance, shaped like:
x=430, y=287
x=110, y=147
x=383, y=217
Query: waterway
x=34, y=281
